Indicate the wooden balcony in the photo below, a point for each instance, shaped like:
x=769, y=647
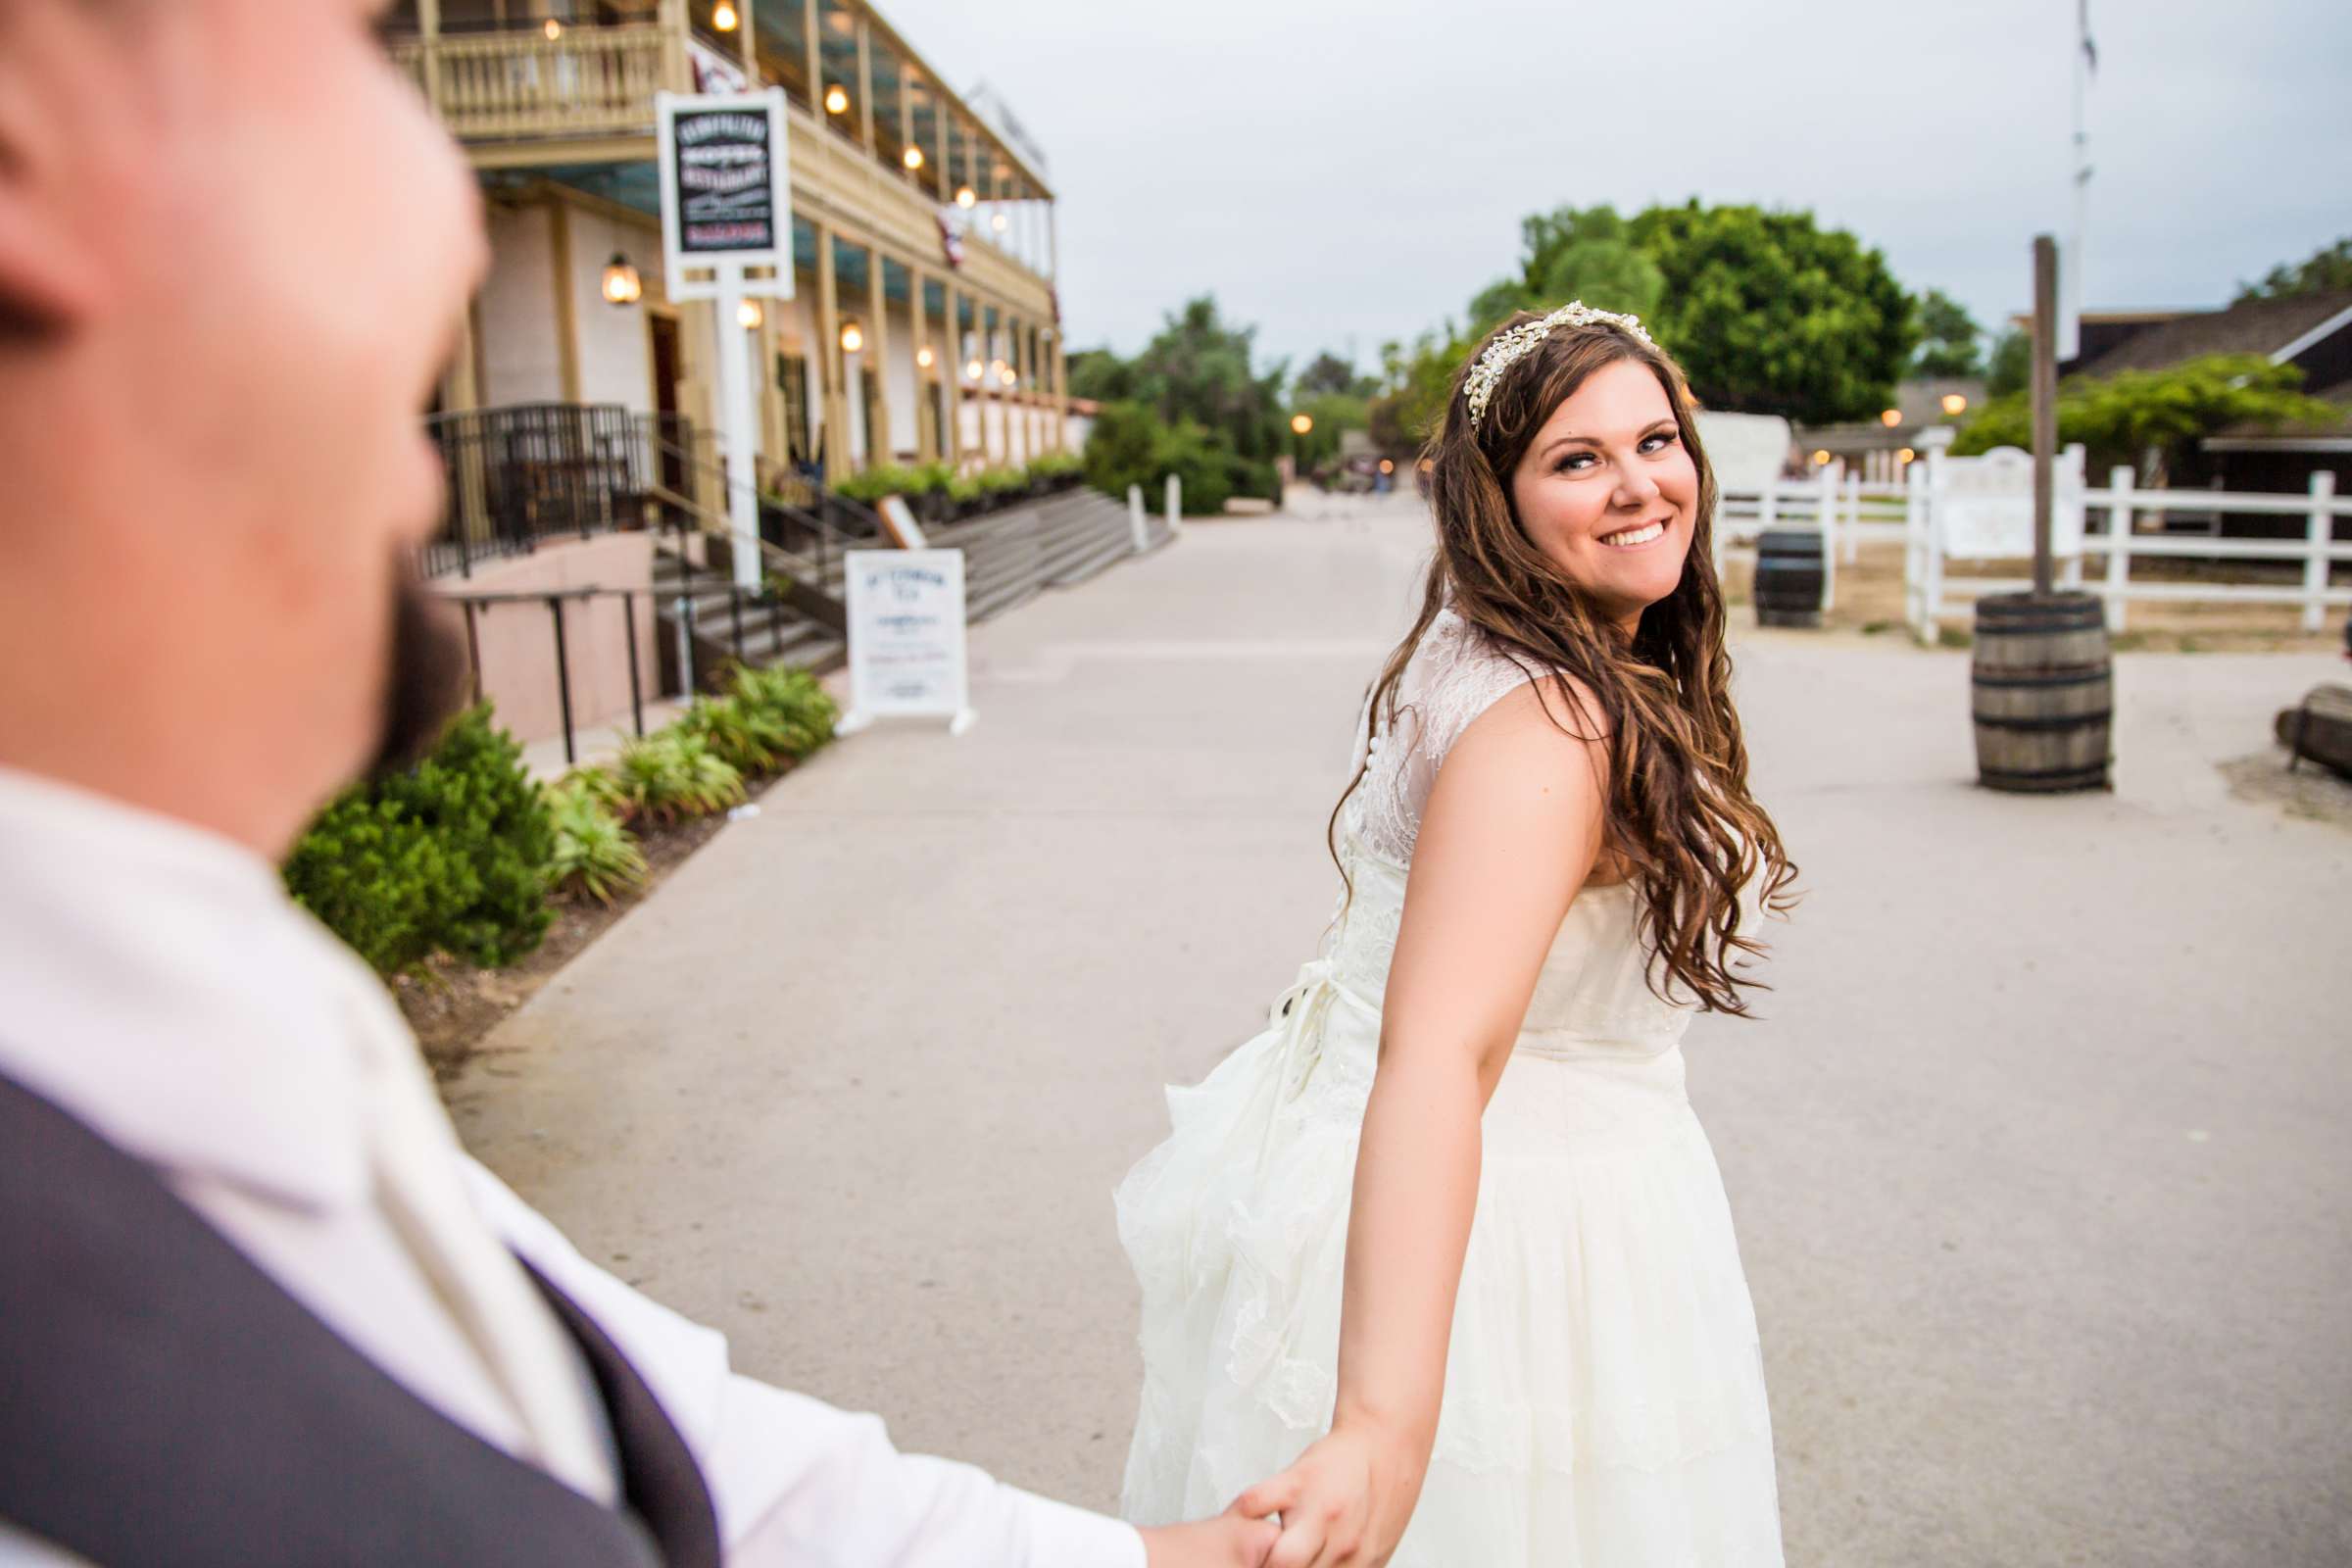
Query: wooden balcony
x=587, y=85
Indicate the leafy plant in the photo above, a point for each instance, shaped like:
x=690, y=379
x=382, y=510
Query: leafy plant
x=450, y=856
x=594, y=851
x=796, y=698
x=750, y=738
x=669, y=776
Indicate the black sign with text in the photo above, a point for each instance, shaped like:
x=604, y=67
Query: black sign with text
x=724, y=166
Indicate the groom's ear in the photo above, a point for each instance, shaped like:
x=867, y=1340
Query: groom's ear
x=54, y=79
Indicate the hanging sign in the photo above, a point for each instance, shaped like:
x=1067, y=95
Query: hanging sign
x=726, y=193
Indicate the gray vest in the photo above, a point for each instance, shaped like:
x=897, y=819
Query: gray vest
x=164, y=1402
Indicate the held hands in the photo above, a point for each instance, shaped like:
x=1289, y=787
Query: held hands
x=1232, y=1540
x=1344, y=1504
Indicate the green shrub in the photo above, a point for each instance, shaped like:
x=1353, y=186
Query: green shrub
x=1057, y=465
x=964, y=489
x=671, y=775
x=1000, y=481
x=450, y=856
x=594, y=853
x=796, y=698
x=750, y=738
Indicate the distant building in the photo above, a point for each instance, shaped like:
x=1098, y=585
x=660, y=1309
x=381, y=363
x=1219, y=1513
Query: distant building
x=1881, y=449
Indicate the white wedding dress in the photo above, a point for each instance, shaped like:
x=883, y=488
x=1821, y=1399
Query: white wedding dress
x=1604, y=1392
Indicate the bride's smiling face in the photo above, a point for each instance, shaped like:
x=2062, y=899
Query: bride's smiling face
x=1609, y=491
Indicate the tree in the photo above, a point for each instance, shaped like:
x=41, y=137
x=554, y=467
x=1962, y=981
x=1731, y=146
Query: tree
x=2147, y=419
x=1769, y=314
x=1950, y=338
x=1102, y=375
x=1415, y=385
x=1572, y=254
x=1329, y=373
x=1333, y=413
x=2011, y=368
x=2326, y=269
x=1199, y=368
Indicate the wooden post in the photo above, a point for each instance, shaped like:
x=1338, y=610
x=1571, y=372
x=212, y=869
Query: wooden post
x=2120, y=526
x=748, y=21
x=1054, y=240
x=865, y=97
x=834, y=433
x=878, y=448
x=1061, y=394
x=2046, y=402
x=918, y=320
x=671, y=14
x=2319, y=530
x=567, y=308
x=1016, y=436
x=906, y=127
x=428, y=29
x=950, y=436
x=817, y=64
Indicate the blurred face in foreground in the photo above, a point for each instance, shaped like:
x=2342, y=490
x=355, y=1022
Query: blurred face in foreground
x=233, y=251
x=1609, y=491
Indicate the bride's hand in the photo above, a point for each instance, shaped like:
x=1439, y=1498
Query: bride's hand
x=1345, y=1501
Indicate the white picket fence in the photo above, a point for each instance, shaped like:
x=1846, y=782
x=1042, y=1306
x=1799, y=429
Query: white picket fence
x=1847, y=511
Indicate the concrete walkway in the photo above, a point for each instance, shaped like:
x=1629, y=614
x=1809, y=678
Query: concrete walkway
x=2039, y=1156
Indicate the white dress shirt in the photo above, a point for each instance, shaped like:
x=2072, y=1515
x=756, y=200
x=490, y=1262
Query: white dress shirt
x=161, y=986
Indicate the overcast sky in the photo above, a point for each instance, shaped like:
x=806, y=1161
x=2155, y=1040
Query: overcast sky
x=1341, y=172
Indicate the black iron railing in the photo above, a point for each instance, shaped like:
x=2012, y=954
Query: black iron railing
x=520, y=476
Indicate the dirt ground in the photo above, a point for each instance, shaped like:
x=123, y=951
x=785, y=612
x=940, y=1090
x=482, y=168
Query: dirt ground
x=1870, y=600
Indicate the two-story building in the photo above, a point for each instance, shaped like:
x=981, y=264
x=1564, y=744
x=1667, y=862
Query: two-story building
x=924, y=324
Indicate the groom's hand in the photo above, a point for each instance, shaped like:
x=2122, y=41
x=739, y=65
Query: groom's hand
x=1232, y=1540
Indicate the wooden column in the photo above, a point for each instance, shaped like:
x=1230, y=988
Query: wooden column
x=567, y=302
x=429, y=29
x=866, y=82
x=926, y=441
x=950, y=437
x=906, y=125
x=943, y=126
x=816, y=56
x=1061, y=395
x=834, y=416
x=877, y=361
x=670, y=16
x=748, y=24
x=1016, y=409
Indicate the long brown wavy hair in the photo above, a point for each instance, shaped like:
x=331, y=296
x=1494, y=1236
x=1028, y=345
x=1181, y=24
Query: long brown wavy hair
x=1679, y=815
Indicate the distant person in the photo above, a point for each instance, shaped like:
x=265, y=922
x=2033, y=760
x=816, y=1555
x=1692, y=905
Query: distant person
x=256, y=1307
x=1440, y=1261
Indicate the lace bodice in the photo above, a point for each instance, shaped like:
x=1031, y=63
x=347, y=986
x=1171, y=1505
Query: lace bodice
x=1593, y=986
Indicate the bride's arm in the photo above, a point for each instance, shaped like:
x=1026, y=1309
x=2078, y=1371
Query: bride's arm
x=1511, y=830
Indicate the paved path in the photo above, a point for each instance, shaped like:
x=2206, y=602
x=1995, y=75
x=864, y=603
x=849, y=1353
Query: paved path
x=2039, y=1159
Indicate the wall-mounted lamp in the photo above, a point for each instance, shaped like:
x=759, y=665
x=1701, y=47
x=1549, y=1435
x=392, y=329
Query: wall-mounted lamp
x=623, y=285
x=853, y=338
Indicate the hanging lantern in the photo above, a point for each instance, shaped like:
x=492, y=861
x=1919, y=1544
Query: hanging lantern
x=912, y=157
x=965, y=196
x=623, y=285
x=748, y=315
x=837, y=99
x=723, y=16
x=853, y=338
x=923, y=356
x=973, y=370
x=554, y=30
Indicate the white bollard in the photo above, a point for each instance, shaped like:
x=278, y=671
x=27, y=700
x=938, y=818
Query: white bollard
x=2320, y=530
x=1135, y=518
x=2119, y=480
x=1828, y=501
x=1175, y=506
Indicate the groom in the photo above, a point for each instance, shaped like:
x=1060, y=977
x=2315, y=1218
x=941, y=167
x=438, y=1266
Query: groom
x=256, y=1307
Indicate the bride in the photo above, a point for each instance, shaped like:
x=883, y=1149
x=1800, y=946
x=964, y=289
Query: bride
x=1444, y=1251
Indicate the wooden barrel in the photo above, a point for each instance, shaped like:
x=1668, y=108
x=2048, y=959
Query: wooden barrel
x=2044, y=692
x=1789, y=572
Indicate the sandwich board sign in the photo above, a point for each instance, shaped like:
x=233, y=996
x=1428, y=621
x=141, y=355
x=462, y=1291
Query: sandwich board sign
x=907, y=657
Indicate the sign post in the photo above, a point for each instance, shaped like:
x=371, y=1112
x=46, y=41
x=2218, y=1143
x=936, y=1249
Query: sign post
x=726, y=235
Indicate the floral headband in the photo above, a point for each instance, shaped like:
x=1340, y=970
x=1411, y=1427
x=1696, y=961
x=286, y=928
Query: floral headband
x=1516, y=344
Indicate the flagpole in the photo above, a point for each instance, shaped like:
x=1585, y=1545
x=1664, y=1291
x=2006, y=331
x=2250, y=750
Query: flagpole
x=2070, y=281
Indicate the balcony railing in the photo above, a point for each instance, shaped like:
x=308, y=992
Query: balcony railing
x=588, y=82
